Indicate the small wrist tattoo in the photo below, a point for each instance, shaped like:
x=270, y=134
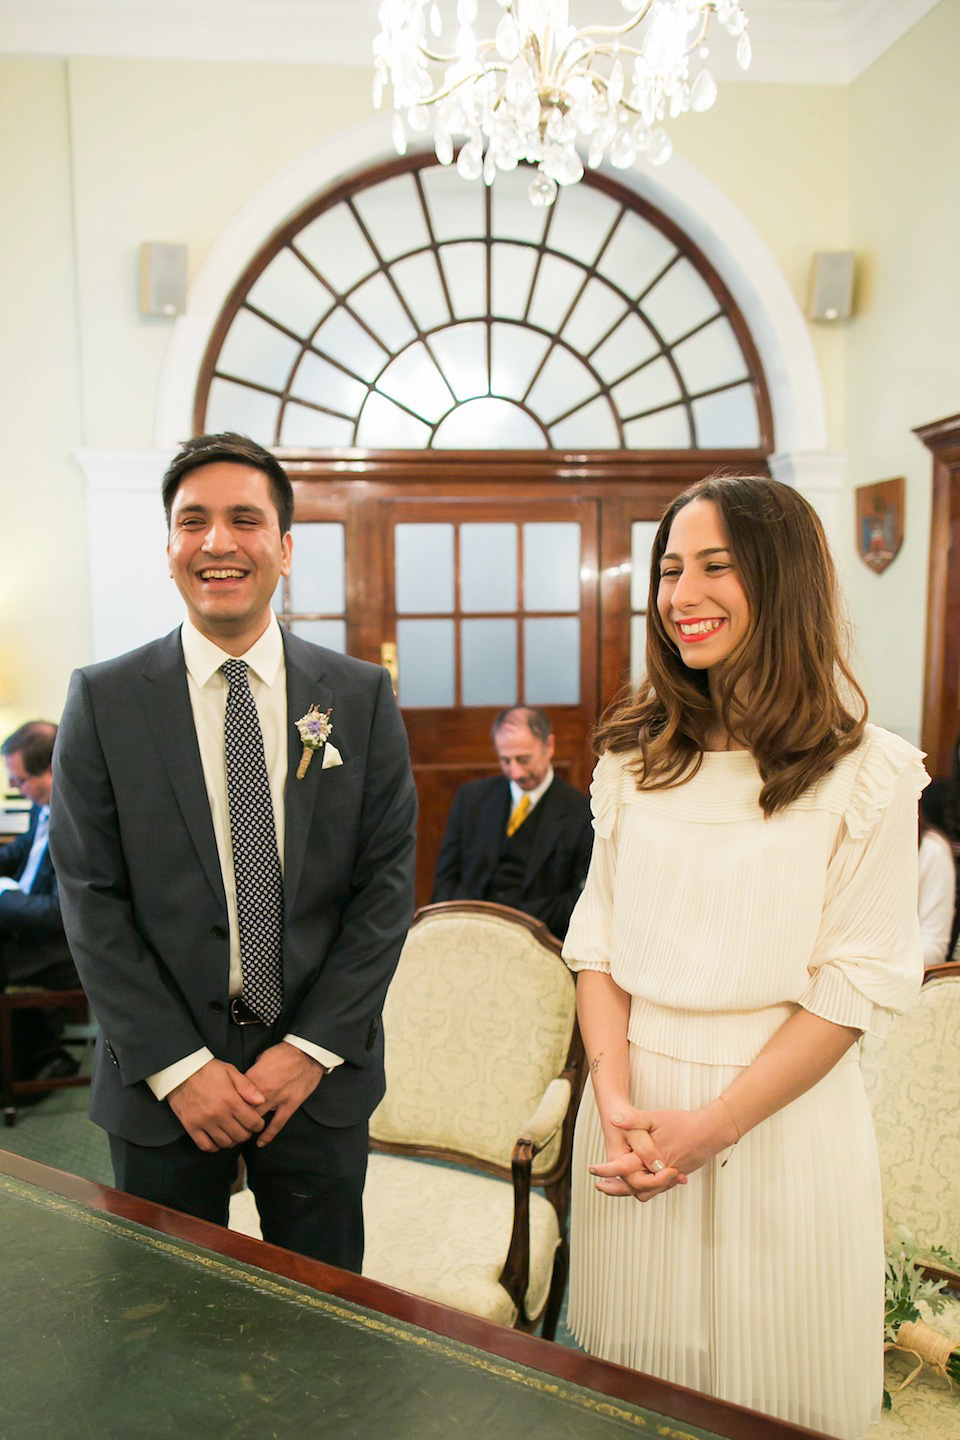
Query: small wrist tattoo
x=595, y=1063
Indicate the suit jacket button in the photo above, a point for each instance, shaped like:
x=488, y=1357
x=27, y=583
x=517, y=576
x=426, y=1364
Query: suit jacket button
x=217, y=1007
x=220, y=932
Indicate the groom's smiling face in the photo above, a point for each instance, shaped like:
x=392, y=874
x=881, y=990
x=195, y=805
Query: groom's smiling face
x=226, y=552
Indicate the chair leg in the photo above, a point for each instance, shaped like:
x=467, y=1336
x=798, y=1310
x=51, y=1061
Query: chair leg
x=558, y=1284
x=6, y=1065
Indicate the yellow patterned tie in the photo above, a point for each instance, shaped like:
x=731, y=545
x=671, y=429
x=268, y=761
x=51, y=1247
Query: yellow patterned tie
x=518, y=814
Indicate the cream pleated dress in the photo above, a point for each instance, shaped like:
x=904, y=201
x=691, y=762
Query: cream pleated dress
x=760, y=1281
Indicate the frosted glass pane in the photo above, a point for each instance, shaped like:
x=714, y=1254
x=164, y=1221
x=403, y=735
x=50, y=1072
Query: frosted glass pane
x=465, y=267
x=301, y=426
x=377, y=304
x=711, y=357
x=592, y=428
x=488, y=653
x=584, y=219
x=317, y=574
x=563, y=382
x=551, y=566
x=516, y=355
x=289, y=292
x=557, y=284
x=654, y=385
x=330, y=633
x=638, y=648
x=489, y=424
x=461, y=352
x=414, y=381
x=642, y=535
x=488, y=567
x=384, y=426
x=254, y=350
x=635, y=255
x=419, y=281
x=334, y=243
x=729, y=418
x=552, y=661
x=679, y=301
x=512, y=270
x=235, y=407
x=667, y=430
x=343, y=339
x=457, y=210
x=598, y=308
x=327, y=385
x=513, y=214
x=424, y=566
x=393, y=215
x=425, y=662
x=629, y=345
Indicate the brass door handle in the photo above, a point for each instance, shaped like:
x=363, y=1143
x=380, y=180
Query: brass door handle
x=388, y=659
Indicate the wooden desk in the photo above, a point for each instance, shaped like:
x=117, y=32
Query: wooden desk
x=121, y=1318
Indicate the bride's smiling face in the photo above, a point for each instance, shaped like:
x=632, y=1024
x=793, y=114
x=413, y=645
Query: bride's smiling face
x=701, y=601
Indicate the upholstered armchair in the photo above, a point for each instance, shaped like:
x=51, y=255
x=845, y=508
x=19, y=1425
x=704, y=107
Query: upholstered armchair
x=913, y=1081
x=484, y=1069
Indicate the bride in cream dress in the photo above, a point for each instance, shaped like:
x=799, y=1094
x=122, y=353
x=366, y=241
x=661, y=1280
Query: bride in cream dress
x=750, y=911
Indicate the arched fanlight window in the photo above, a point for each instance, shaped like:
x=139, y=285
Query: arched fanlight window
x=407, y=310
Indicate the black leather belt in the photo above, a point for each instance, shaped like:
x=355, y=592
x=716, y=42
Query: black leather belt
x=241, y=1014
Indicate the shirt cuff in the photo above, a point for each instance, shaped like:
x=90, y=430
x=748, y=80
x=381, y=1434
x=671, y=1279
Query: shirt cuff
x=316, y=1052
x=168, y=1079
x=7, y=884
x=832, y=996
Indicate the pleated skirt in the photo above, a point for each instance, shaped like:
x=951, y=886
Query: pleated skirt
x=761, y=1280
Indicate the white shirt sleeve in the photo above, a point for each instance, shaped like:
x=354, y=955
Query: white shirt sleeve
x=936, y=896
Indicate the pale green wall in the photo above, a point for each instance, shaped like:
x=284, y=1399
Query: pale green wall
x=903, y=347
x=44, y=623
x=173, y=151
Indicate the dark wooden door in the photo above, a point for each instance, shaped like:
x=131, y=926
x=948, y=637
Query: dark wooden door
x=487, y=603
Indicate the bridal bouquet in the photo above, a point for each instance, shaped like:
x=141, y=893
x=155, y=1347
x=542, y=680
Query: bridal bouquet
x=905, y=1289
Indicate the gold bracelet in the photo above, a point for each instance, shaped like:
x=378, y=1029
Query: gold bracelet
x=732, y=1119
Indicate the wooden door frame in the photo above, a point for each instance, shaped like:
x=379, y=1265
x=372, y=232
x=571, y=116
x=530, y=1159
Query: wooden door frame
x=941, y=682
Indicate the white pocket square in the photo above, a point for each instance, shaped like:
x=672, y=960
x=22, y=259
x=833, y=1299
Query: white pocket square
x=331, y=757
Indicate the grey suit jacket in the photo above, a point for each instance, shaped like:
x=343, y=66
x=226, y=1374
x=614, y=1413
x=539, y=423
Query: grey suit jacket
x=143, y=899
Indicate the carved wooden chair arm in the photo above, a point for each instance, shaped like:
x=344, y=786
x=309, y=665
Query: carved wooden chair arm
x=535, y=1133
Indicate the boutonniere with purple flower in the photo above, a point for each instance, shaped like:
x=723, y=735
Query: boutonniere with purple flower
x=314, y=728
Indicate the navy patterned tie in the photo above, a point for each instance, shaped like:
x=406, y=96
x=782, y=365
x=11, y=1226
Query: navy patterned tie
x=253, y=838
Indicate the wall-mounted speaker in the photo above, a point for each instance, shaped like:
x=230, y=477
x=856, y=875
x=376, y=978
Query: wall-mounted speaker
x=831, y=285
x=163, y=278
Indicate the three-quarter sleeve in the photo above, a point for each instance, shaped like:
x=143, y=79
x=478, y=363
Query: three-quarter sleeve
x=587, y=943
x=867, y=962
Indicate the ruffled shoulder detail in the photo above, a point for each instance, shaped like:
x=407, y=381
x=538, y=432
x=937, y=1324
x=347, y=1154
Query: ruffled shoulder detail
x=606, y=791
x=862, y=785
x=885, y=757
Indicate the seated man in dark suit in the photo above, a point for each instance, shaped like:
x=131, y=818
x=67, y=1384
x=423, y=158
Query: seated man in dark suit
x=523, y=840
x=33, y=947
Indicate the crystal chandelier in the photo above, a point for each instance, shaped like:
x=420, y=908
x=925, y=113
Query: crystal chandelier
x=541, y=86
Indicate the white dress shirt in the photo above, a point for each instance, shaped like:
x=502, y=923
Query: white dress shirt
x=37, y=851
x=534, y=796
x=208, y=689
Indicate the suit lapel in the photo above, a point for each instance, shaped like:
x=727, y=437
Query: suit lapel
x=304, y=672
x=166, y=701
x=492, y=826
x=544, y=837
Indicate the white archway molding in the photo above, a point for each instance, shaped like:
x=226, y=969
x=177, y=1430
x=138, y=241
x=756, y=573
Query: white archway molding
x=694, y=202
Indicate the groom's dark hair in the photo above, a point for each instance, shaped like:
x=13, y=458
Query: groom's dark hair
x=231, y=449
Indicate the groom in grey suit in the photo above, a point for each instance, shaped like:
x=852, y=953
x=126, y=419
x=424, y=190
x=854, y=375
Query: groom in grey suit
x=229, y=1029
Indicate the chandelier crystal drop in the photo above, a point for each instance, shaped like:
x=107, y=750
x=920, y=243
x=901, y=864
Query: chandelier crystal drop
x=542, y=89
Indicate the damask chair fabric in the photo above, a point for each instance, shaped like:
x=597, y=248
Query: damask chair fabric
x=484, y=1065
x=913, y=1081
x=480, y=1026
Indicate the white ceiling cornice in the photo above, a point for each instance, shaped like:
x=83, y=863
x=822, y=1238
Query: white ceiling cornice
x=794, y=41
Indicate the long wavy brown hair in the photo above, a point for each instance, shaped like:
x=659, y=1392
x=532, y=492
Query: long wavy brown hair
x=786, y=691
